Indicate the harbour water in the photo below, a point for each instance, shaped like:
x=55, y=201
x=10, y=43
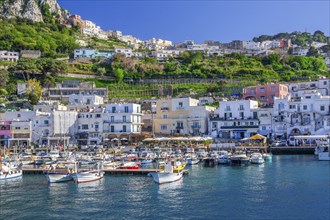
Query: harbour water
x=289, y=187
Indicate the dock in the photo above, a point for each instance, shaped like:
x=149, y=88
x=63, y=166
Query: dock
x=293, y=150
x=107, y=171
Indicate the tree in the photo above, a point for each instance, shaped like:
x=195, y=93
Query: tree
x=33, y=99
x=312, y=52
x=3, y=77
x=34, y=87
x=119, y=74
x=101, y=71
x=25, y=66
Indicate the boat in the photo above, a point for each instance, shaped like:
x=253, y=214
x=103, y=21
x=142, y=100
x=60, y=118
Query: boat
x=257, y=158
x=87, y=176
x=167, y=175
x=130, y=166
x=267, y=157
x=224, y=157
x=324, y=156
x=9, y=172
x=59, y=176
x=193, y=161
x=239, y=159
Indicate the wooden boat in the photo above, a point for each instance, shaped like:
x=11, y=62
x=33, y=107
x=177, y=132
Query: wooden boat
x=8, y=172
x=168, y=175
x=55, y=175
x=87, y=176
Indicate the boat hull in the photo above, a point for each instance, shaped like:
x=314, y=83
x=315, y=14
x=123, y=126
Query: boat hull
x=11, y=175
x=85, y=177
x=193, y=161
x=59, y=177
x=163, y=177
x=324, y=156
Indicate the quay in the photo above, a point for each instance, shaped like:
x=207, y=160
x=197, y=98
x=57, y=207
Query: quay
x=107, y=171
x=293, y=150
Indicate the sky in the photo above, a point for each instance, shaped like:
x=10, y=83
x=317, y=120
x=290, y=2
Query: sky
x=200, y=20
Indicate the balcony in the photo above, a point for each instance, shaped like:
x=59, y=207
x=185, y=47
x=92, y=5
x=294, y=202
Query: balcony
x=180, y=108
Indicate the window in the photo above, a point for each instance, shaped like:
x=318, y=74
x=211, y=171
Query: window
x=112, y=128
x=241, y=115
x=17, y=128
x=163, y=127
x=324, y=82
x=124, y=118
x=113, y=109
x=227, y=108
x=76, y=100
x=164, y=116
x=292, y=107
x=308, y=97
x=46, y=122
x=124, y=128
x=252, y=92
x=18, y=115
x=84, y=127
x=262, y=98
x=251, y=123
x=96, y=126
x=112, y=119
x=241, y=107
x=263, y=128
x=305, y=107
x=246, y=123
x=214, y=125
x=262, y=89
x=322, y=108
x=126, y=109
x=98, y=115
x=272, y=88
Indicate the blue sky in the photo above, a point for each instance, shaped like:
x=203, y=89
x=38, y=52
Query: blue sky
x=203, y=20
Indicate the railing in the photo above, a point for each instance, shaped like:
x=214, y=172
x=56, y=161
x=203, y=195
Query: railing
x=240, y=126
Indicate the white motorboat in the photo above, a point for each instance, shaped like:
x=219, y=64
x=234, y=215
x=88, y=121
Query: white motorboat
x=87, y=176
x=239, y=159
x=168, y=175
x=223, y=157
x=325, y=155
x=257, y=158
x=193, y=161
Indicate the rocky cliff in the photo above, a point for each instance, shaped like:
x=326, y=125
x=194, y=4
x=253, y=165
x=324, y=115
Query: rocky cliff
x=34, y=10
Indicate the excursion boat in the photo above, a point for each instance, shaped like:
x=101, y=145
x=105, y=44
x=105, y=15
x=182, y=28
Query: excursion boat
x=257, y=158
x=7, y=172
x=130, y=166
x=59, y=176
x=168, y=175
x=87, y=176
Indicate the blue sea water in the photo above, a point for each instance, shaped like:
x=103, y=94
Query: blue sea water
x=289, y=187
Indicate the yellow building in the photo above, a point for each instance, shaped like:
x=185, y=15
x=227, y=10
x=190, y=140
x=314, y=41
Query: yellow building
x=181, y=116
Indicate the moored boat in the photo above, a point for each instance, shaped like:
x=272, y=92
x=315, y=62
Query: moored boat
x=168, y=175
x=87, y=176
x=59, y=175
x=257, y=158
x=130, y=166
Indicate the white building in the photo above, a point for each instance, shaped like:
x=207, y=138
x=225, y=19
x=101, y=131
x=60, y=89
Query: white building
x=126, y=51
x=322, y=85
x=235, y=119
x=122, y=120
x=9, y=56
x=251, y=45
x=205, y=100
x=93, y=100
x=306, y=112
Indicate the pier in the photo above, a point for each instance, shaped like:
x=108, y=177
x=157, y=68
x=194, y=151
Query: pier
x=42, y=170
x=293, y=150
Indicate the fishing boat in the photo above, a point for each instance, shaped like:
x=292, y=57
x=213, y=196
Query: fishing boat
x=55, y=175
x=257, y=158
x=168, y=175
x=87, y=176
x=9, y=172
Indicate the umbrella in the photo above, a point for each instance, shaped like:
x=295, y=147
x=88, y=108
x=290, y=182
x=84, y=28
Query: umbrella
x=124, y=139
x=115, y=139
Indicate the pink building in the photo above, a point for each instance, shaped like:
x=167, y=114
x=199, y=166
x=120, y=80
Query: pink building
x=265, y=93
x=5, y=132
